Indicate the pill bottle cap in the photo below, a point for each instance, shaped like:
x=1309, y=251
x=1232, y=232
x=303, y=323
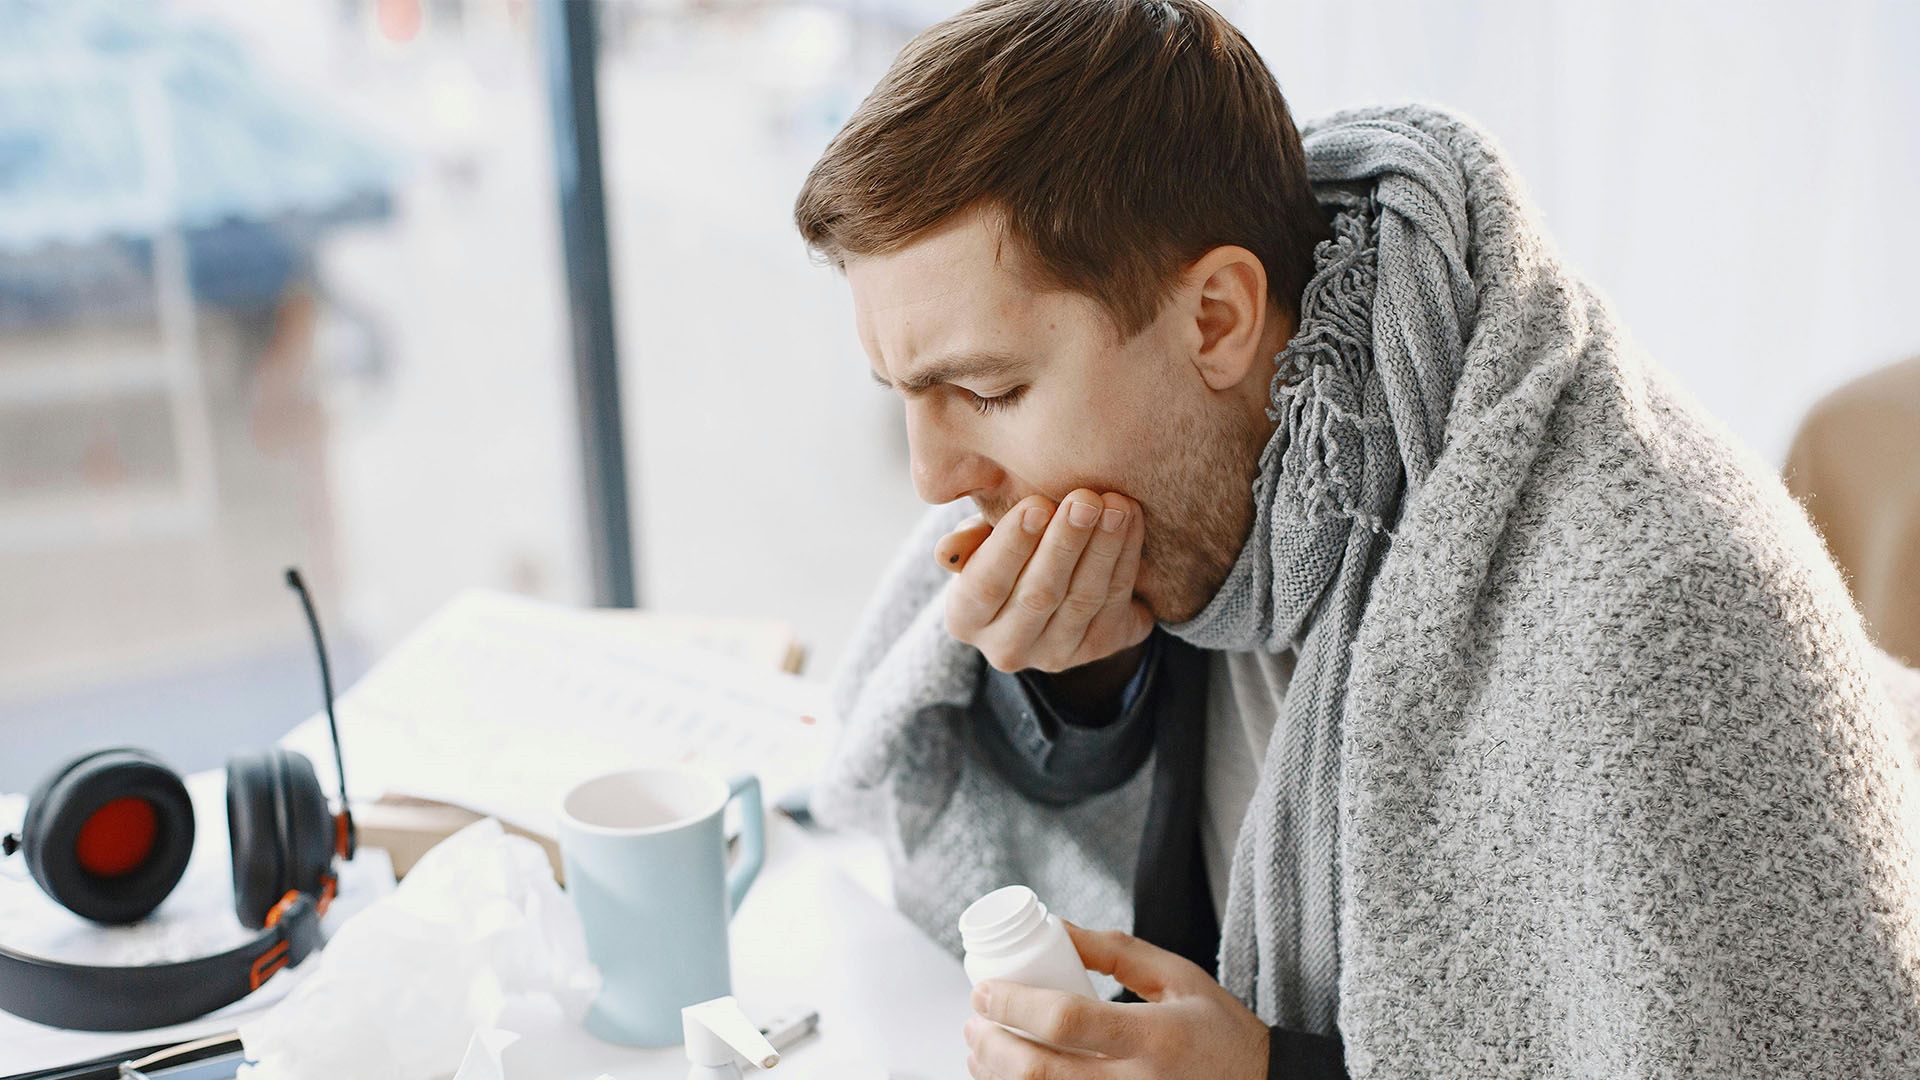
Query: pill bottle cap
x=1001, y=919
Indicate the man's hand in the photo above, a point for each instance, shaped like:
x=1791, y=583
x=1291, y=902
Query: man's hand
x=1187, y=1026
x=1049, y=588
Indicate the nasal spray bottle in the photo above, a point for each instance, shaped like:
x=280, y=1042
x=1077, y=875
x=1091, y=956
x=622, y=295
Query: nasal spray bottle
x=714, y=1031
x=1009, y=934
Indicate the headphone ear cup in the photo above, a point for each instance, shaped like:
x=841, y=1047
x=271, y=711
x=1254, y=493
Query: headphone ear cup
x=279, y=828
x=109, y=835
x=252, y=833
x=310, y=839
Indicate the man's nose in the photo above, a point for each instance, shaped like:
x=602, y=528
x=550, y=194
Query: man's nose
x=943, y=469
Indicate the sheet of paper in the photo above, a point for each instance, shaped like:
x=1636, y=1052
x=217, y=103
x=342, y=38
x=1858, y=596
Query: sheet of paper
x=762, y=643
x=197, y=918
x=500, y=704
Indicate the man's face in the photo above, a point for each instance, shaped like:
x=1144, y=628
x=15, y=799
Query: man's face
x=950, y=323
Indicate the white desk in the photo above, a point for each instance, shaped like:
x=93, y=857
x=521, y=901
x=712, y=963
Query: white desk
x=891, y=1002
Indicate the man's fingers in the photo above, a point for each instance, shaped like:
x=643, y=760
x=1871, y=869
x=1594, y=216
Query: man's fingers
x=1126, y=569
x=1060, y=1018
x=1124, y=621
x=1119, y=627
x=1087, y=591
x=1142, y=967
x=1042, y=584
x=958, y=546
x=999, y=1053
x=978, y=595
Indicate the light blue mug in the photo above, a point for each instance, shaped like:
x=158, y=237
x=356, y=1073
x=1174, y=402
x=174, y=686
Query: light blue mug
x=646, y=867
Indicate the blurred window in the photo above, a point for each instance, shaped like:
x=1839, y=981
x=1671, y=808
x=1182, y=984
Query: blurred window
x=279, y=284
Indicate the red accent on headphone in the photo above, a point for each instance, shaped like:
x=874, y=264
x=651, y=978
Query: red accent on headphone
x=341, y=833
x=116, y=839
x=268, y=963
x=280, y=908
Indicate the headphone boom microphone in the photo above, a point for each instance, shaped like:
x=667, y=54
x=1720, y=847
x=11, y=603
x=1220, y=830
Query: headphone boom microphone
x=351, y=839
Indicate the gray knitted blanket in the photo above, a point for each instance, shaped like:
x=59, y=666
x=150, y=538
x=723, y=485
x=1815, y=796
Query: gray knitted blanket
x=1620, y=788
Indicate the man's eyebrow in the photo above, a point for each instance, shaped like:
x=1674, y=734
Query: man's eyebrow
x=948, y=369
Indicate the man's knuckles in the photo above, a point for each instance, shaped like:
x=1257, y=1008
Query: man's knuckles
x=1082, y=607
x=974, y=602
x=1038, y=600
x=964, y=616
x=1068, y=1021
x=1064, y=1019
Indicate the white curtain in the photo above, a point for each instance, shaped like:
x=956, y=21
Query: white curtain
x=1740, y=180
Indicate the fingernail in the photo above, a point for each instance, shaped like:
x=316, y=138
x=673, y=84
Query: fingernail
x=1111, y=520
x=1081, y=514
x=980, y=996
x=1034, y=519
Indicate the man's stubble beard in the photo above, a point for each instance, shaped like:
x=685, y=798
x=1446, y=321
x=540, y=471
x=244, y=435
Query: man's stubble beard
x=1198, y=499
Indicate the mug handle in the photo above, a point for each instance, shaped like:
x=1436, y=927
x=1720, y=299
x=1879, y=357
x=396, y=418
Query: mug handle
x=753, y=839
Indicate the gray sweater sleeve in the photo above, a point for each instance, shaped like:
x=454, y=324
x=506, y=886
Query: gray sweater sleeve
x=1053, y=756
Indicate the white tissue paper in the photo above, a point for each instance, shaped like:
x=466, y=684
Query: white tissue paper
x=485, y=1058
x=484, y=1053
x=477, y=936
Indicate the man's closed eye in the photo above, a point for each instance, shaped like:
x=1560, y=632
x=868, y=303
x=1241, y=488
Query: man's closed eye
x=984, y=405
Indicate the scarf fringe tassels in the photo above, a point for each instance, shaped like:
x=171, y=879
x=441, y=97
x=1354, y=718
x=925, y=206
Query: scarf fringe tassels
x=1319, y=377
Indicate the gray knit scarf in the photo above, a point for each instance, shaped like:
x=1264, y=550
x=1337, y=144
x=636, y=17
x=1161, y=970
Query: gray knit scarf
x=1360, y=394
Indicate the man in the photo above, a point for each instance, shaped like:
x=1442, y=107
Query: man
x=1351, y=612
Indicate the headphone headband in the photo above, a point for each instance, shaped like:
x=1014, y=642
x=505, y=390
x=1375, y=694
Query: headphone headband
x=90, y=998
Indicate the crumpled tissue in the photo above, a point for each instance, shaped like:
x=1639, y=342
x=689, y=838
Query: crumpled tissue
x=484, y=1056
x=484, y=1053
x=477, y=936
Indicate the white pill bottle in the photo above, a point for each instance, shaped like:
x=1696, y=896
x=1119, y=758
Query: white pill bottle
x=1008, y=934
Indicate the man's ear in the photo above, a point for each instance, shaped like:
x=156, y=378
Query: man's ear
x=1228, y=291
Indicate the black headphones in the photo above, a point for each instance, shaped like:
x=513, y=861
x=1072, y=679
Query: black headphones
x=108, y=836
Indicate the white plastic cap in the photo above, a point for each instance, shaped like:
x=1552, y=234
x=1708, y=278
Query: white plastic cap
x=716, y=1029
x=1000, y=920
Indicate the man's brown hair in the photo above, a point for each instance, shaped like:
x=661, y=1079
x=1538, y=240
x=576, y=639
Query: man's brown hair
x=1122, y=139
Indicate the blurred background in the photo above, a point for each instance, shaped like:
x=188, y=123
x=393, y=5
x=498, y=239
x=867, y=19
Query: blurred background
x=283, y=283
